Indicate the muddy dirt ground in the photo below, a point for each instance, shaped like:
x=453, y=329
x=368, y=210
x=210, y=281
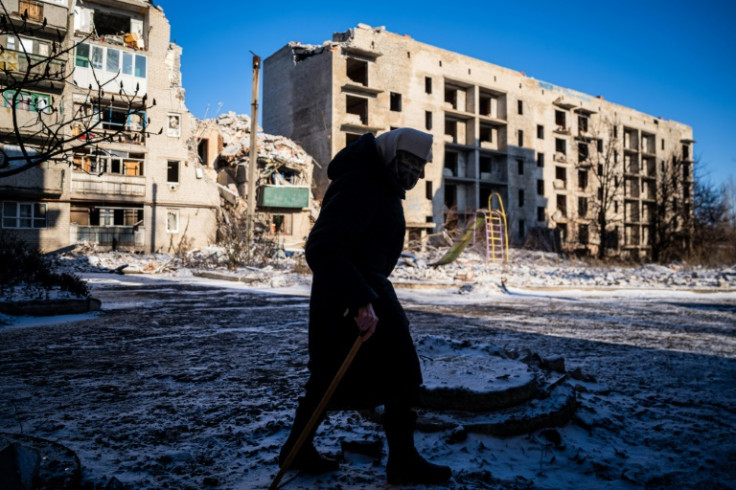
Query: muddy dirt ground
x=192, y=384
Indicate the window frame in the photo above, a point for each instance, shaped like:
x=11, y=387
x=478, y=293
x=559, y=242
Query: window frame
x=34, y=215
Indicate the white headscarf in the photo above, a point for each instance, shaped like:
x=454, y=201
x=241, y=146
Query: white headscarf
x=416, y=142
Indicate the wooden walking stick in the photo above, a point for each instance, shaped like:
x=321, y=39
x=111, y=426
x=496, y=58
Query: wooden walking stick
x=317, y=412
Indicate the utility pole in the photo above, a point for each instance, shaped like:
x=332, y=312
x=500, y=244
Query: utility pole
x=253, y=163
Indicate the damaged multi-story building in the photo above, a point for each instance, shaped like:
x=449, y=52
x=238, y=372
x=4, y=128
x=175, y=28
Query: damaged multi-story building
x=556, y=156
x=148, y=188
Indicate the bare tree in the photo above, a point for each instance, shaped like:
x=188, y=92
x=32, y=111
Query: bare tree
x=671, y=227
x=43, y=127
x=598, y=163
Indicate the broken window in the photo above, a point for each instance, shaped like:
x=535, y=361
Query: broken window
x=428, y=120
x=428, y=85
x=358, y=108
x=540, y=131
x=172, y=172
x=562, y=204
x=109, y=23
x=395, y=102
x=172, y=221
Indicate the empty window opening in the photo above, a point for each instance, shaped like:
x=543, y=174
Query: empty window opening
x=521, y=198
x=540, y=213
x=582, y=152
x=357, y=106
x=395, y=102
x=560, y=119
x=583, y=235
x=520, y=107
x=450, y=196
x=428, y=120
x=428, y=192
x=540, y=160
x=583, y=124
x=561, y=175
x=428, y=85
x=172, y=172
x=108, y=23
x=357, y=71
x=582, y=207
x=486, y=134
x=520, y=166
x=540, y=131
x=615, y=131
x=202, y=150
x=451, y=129
x=485, y=165
x=561, y=146
x=562, y=204
x=540, y=187
x=520, y=135
x=522, y=228
x=451, y=96
x=451, y=160
x=600, y=146
x=484, y=105
x=582, y=179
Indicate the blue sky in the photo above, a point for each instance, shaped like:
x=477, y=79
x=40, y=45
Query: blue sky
x=670, y=59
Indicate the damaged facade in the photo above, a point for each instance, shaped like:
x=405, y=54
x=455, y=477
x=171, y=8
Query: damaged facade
x=554, y=155
x=143, y=191
x=284, y=177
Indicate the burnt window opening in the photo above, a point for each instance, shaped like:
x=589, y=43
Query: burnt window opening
x=357, y=106
x=540, y=131
x=395, y=102
x=428, y=85
x=428, y=120
x=357, y=71
x=562, y=204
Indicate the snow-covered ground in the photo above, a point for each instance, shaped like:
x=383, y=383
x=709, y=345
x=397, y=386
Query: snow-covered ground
x=188, y=382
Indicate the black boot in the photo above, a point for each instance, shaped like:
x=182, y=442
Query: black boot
x=308, y=459
x=405, y=465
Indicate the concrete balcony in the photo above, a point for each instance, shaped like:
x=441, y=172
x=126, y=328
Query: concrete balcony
x=108, y=187
x=37, y=181
x=55, y=12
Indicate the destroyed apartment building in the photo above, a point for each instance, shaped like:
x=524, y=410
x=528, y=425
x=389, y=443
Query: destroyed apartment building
x=589, y=171
x=284, y=202
x=146, y=189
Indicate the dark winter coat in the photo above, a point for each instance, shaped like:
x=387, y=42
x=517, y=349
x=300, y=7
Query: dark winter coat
x=352, y=249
